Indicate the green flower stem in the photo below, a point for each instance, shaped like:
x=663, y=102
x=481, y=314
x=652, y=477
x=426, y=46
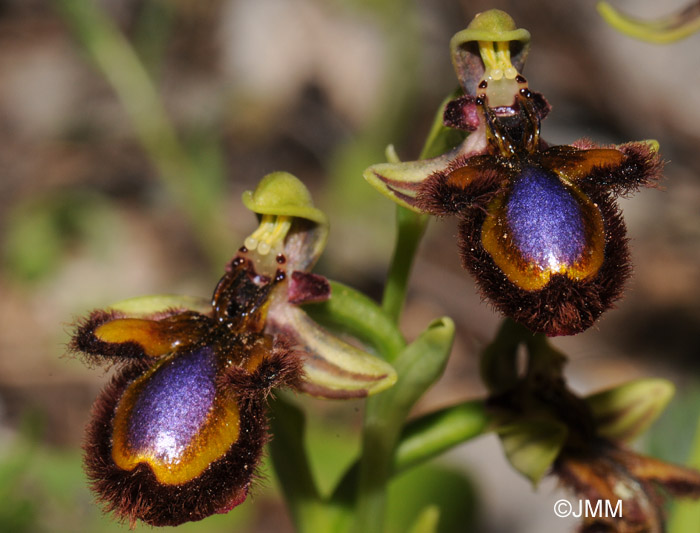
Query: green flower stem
x=385, y=413
x=499, y=369
x=418, y=367
x=411, y=227
x=195, y=191
x=352, y=312
x=434, y=433
x=544, y=360
x=685, y=515
x=291, y=465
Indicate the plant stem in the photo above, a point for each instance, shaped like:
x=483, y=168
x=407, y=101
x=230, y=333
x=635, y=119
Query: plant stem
x=417, y=367
x=385, y=413
x=292, y=468
x=410, y=225
x=410, y=229
x=685, y=515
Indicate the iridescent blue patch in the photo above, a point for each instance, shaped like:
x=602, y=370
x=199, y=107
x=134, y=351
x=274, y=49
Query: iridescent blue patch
x=545, y=219
x=173, y=405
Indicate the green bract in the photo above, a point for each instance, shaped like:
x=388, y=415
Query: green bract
x=626, y=411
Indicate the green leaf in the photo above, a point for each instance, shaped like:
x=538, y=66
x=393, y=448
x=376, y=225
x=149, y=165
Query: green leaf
x=432, y=498
x=419, y=365
x=532, y=446
x=434, y=433
x=350, y=311
x=625, y=412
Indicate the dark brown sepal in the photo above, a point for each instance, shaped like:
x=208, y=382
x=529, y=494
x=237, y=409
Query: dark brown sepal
x=138, y=495
x=607, y=473
x=563, y=306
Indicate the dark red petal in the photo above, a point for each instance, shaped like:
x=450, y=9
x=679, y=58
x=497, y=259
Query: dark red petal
x=306, y=287
x=461, y=113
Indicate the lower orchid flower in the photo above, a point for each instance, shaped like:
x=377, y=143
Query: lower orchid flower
x=178, y=433
x=544, y=427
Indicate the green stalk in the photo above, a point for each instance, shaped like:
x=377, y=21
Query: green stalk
x=386, y=413
x=418, y=367
x=292, y=468
x=410, y=225
x=410, y=229
x=685, y=515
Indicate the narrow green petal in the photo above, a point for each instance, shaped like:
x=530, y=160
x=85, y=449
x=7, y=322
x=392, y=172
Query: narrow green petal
x=532, y=446
x=400, y=181
x=625, y=412
x=332, y=367
x=143, y=306
x=660, y=31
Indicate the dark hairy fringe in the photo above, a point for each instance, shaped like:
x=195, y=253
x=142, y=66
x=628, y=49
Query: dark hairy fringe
x=563, y=306
x=437, y=197
x=84, y=342
x=94, y=351
x=282, y=368
x=641, y=167
x=137, y=494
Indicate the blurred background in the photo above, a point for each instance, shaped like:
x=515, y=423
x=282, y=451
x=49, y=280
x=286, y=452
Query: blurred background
x=128, y=133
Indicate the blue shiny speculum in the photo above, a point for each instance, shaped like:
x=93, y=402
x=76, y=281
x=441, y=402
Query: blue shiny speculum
x=545, y=220
x=174, y=404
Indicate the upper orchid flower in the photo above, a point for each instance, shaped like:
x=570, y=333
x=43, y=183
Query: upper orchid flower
x=177, y=434
x=540, y=229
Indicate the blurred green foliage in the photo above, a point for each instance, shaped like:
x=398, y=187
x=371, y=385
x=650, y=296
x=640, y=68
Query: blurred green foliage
x=41, y=232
